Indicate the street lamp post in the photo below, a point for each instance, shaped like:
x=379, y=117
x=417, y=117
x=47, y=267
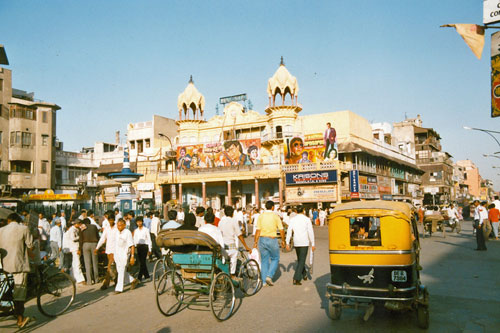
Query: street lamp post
x=489, y=132
x=170, y=159
x=490, y=155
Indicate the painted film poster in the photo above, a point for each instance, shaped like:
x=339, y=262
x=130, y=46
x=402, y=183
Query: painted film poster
x=213, y=155
x=495, y=74
x=309, y=148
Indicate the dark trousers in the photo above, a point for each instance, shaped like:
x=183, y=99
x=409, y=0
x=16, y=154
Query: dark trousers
x=481, y=245
x=142, y=253
x=300, y=270
x=19, y=308
x=156, y=250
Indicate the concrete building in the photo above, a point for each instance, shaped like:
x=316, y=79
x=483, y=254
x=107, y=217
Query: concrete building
x=5, y=96
x=437, y=181
x=32, y=132
x=472, y=178
x=460, y=192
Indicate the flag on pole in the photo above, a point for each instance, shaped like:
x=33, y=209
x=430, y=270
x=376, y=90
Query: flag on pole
x=472, y=34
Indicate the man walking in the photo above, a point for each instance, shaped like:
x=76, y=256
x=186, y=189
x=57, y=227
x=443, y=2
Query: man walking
x=231, y=232
x=55, y=240
x=16, y=243
x=142, y=242
x=200, y=212
x=479, y=214
x=109, y=237
x=266, y=239
x=44, y=230
x=303, y=236
x=172, y=223
x=124, y=247
x=89, y=237
x=74, y=248
x=154, y=230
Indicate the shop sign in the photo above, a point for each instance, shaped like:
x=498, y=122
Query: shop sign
x=384, y=185
x=313, y=193
x=312, y=177
x=354, y=181
x=49, y=195
x=386, y=197
x=145, y=186
x=491, y=11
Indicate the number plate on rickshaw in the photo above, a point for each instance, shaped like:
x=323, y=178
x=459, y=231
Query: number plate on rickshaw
x=399, y=276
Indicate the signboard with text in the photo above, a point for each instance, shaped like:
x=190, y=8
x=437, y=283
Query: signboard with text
x=311, y=177
x=491, y=11
x=316, y=193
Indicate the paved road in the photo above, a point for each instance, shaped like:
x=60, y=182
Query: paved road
x=464, y=286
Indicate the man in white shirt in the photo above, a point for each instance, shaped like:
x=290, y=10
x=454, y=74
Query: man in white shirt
x=211, y=230
x=154, y=230
x=109, y=237
x=74, y=248
x=303, y=236
x=200, y=212
x=180, y=216
x=231, y=232
x=172, y=223
x=453, y=217
x=63, y=221
x=124, y=247
x=322, y=217
x=55, y=240
x=239, y=218
x=480, y=215
x=255, y=217
x=105, y=221
x=118, y=215
x=142, y=242
x=91, y=217
x=44, y=229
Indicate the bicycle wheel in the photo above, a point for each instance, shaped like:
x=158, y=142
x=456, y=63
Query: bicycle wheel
x=170, y=293
x=158, y=271
x=56, y=294
x=251, y=280
x=222, y=296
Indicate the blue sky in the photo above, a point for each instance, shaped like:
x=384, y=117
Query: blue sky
x=109, y=63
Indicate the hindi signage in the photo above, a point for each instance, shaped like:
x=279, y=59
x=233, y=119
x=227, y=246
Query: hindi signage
x=234, y=98
x=311, y=177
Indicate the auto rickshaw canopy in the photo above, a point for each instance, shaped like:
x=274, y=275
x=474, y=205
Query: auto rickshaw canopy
x=376, y=207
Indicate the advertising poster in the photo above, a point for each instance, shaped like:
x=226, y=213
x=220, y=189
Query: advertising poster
x=354, y=183
x=368, y=188
x=213, y=155
x=495, y=74
x=384, y=185
x=309, y=148
x=300, y=194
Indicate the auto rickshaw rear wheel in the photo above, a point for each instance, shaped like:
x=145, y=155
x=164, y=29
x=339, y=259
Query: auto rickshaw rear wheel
x=334, y=309
x=423, y=316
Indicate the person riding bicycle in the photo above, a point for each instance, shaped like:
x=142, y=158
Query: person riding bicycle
x=16, y=244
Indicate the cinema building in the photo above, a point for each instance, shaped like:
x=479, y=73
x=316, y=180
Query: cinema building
x=244, y=158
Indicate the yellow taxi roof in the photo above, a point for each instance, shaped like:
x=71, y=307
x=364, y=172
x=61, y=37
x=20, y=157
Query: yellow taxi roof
x=402, y=207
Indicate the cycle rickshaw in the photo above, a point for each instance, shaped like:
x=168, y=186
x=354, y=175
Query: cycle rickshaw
x=374, y=259
x=197, y=274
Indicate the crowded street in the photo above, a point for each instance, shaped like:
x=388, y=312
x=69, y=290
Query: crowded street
x=463, y=285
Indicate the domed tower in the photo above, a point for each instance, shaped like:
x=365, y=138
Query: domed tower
x=282, y=118
x=282, y=83
x=191, y=101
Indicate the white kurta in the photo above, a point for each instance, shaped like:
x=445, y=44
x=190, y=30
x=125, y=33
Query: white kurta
x=124, y=241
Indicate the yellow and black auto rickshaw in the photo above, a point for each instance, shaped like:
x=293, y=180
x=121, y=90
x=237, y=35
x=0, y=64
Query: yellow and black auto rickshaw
x=374, y=259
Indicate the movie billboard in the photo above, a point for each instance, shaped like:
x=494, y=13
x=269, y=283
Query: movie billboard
x=219, y=154
x=310, y=148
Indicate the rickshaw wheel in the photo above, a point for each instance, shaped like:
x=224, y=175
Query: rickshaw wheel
x=222, y=296
x=423, y=316
x=170, y=293
x=250, y=277
x=334, y=310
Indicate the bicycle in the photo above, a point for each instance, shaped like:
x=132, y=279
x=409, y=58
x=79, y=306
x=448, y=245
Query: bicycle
x=54, y=290
x=161, y=266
